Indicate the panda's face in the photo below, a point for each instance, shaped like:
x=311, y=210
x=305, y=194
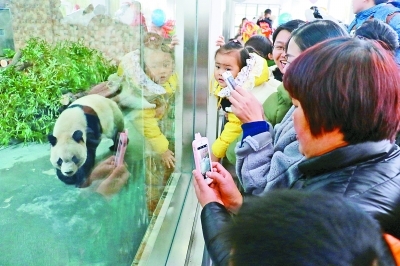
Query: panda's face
x=68, y=156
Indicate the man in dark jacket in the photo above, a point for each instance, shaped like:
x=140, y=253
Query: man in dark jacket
x=345, y=126
x=267, y=18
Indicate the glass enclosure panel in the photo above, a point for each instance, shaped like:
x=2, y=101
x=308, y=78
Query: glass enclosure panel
x=6, y=33
x=71, y=71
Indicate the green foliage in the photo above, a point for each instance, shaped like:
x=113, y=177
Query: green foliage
x=30, y=99
x=8, y=53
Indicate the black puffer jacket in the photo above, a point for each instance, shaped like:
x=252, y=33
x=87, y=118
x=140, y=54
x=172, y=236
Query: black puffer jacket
x=366, y=173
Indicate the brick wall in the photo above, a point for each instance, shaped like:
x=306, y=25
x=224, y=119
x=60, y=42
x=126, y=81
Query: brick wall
x=43, y=18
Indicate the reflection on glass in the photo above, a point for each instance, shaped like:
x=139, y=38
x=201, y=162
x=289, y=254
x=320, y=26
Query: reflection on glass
x=66, y=50
x=147, y=97
x=130, y=13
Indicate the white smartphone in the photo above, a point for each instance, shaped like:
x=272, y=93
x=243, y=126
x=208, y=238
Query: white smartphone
x=229, y=80
x=201, y=153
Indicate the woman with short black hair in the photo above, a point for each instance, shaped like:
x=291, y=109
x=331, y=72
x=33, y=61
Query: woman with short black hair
x=346, y=93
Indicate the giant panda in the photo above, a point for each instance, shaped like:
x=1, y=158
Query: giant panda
x=77, y=133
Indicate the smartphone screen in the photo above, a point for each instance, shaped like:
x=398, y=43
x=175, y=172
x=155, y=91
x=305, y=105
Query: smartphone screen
x=205, y=165
x=229, y=80
x=122, y=142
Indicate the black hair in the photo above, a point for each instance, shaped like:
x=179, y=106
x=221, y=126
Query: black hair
x=288, y=26
x=345, y=70
x=290, y=227
x=377, y=30
x=267, y=11
x=377, y=2
x=315, y=32
x=235, y=45
x=260, y=45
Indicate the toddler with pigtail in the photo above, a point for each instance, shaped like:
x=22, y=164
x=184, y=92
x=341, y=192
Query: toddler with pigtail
x=251, y=73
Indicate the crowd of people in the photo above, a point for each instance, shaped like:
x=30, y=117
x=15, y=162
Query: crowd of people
x=316, y=156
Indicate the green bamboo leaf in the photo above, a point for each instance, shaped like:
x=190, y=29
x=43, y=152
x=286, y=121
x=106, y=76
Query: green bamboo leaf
x=30, y=99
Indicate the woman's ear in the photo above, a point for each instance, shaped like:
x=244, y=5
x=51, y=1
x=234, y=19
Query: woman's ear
x=270, y=56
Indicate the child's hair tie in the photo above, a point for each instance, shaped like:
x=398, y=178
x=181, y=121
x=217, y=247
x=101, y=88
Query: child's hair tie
x=152, y=38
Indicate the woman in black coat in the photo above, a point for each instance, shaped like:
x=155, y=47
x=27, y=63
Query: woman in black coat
x=347, y=94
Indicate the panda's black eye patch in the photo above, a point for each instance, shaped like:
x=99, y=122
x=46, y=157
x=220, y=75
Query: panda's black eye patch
x=59, y=162
x=75, y=160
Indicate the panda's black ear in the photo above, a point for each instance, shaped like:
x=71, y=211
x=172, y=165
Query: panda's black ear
x=78, y=136
x=52, y=140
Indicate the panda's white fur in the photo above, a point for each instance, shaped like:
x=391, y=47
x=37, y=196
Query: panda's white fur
x=68, y=153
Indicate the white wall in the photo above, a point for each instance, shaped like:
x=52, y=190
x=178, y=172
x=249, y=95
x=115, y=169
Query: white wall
x=339, y=9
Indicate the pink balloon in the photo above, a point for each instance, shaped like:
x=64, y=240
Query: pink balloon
x=313, y=1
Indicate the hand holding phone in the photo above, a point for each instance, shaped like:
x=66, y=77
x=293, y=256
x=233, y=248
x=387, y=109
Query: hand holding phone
x=122, y=143
x=229, y=80
x=201, y=152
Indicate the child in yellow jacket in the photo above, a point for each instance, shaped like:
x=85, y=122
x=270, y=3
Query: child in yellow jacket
x=251, y=73
x=149, y=93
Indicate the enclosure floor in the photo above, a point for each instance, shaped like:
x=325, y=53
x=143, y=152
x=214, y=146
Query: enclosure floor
x=45, y=222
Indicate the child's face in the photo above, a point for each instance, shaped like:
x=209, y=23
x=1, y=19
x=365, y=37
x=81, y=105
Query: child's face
x=159, y=65
x=225, y=62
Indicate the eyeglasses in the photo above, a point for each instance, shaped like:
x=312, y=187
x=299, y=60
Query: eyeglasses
x=279, y=48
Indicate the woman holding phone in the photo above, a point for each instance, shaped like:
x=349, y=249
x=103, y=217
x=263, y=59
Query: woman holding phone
x=345, y=154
